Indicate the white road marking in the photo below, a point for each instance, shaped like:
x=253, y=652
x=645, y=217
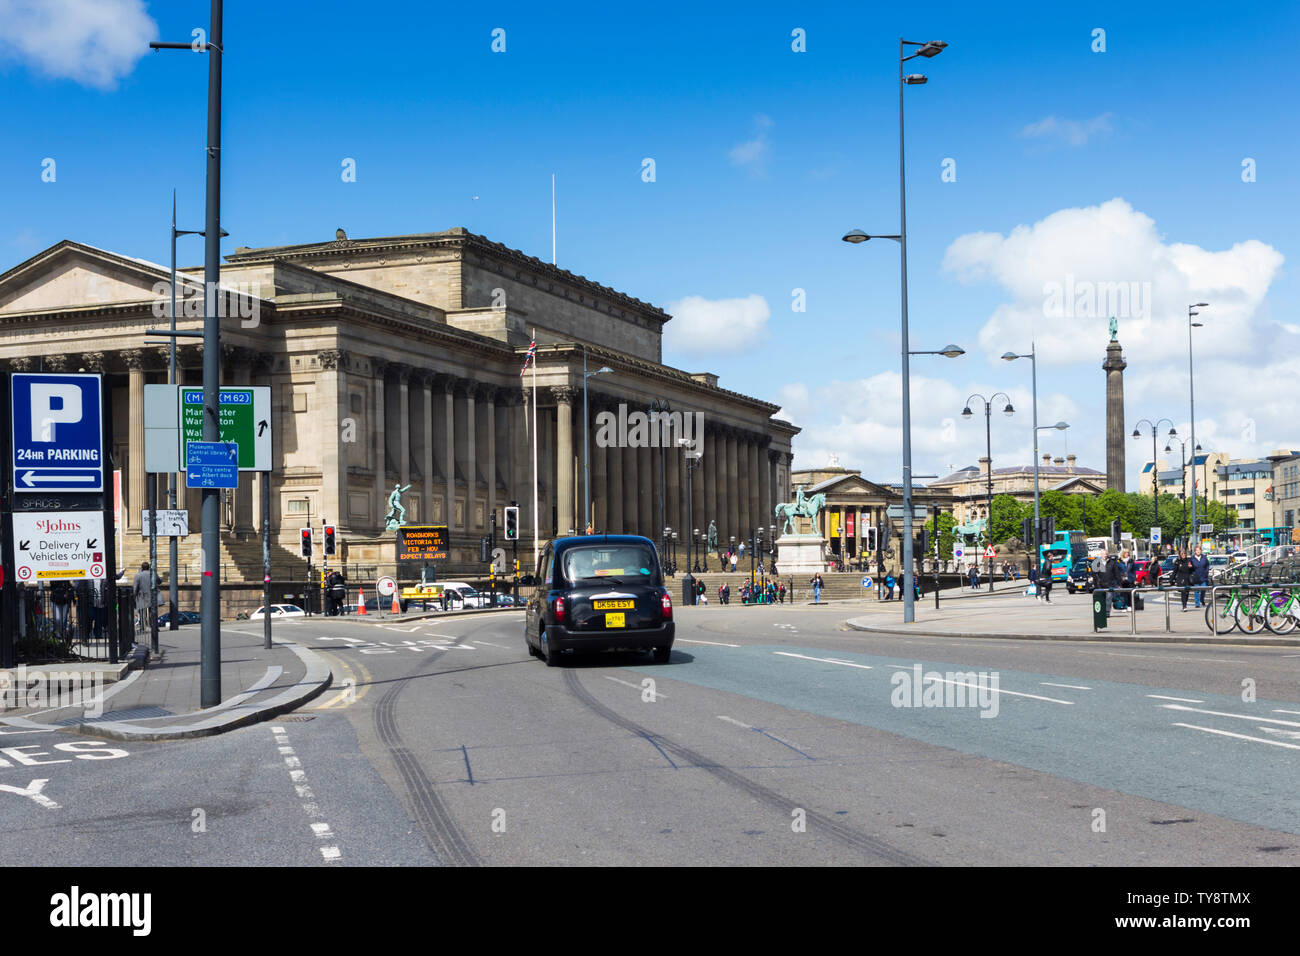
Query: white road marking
x=1047, y=683
x=277, y=730
x=633, y=686
x=304, y=792
x=286, y=750
x=32, y=790
x=1228, y=733
x=490, y=644
x=1185, y=700
x=1221, y=713
x=683, y=640
x=996, y=690
x=297, y=776
x=732, y=720
x=323, y=831
x=292, y=762
x=824, y=660
x=1296, y=712
x=331, y=854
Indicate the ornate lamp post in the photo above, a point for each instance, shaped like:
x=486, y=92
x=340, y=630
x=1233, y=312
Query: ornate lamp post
x=988, y=442
x=1155, y=470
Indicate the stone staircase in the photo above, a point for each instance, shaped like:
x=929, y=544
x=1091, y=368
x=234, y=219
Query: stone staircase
x=241, y=558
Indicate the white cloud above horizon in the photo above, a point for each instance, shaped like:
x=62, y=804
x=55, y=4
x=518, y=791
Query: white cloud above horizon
x=1068, y=131
x=729, y=326
x=753, y=153
x=91, y=42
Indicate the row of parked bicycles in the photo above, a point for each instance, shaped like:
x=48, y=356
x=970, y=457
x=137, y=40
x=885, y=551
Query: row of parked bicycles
x=1264, y=595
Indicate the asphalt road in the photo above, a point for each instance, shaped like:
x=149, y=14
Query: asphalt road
x=774, y=736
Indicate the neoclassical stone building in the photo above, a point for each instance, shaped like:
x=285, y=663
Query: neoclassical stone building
x=397, y=361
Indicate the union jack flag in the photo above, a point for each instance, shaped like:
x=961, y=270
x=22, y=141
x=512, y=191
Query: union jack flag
x=530, y=357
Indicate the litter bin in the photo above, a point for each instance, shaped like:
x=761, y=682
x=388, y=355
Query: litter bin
x=1100, y=609
x=689, y=596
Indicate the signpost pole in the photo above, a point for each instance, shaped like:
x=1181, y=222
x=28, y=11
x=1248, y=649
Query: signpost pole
x=110, y=529
x=152, y=482
x=266, y=560
x=9, y=587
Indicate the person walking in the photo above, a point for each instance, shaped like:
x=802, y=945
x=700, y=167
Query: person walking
x=1182, y=574
x=142, y=591
x=889, y=586
x=733, y=562
x=1200, y=574
x=816, y=583
x=1045, y=583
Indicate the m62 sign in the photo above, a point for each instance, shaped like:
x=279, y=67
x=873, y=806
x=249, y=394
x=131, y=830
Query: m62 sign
x=245, y=419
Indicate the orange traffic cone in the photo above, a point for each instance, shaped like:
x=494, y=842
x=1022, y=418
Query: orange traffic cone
x=397, y=608
x=361, y=601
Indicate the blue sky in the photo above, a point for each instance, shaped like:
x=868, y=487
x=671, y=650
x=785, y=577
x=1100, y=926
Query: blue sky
x=1115, y=166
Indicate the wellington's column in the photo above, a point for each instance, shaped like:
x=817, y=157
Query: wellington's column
x=1114, y=367
x=564, y=456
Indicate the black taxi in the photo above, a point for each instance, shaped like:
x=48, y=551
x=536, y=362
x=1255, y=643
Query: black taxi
x=598, y=593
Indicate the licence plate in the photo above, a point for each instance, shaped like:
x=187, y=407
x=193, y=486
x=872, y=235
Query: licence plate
x=615, y=620
x=613, y=605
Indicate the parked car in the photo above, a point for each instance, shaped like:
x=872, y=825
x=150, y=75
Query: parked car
x=1080, y=576
x=460, y=594
x=278, y=610
x=598, y=593
x=182, y=617
x=1140, y=572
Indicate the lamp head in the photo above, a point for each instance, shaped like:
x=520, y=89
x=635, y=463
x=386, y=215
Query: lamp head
x=1008, y=410
x=932, y=49
x=952, y=351
x=1009, y=356
x=915, y=79
x=855, y=236
x=966, y=412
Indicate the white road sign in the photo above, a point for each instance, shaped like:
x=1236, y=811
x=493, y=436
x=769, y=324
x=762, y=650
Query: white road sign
x=170, y=523
x=1155, y=535
x=957, y=552
x=386, y=586
x=47, y=547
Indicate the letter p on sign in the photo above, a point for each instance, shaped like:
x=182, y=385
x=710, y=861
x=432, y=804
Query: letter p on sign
x=53, y=403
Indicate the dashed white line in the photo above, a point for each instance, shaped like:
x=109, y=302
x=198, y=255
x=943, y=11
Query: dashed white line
x=1047, y=683
x=1221, y=713
x=732, y=720
x=633, y=686
x=824, y=660
x=332, y=854
x=322, y=831
x=683, y=640
x=1228, y=733
x=1296, y=712
x=1184, y=700
x=286, y=750
x=292, y=762
x=490, y=644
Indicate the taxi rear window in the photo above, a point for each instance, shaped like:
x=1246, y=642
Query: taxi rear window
x=617, y=563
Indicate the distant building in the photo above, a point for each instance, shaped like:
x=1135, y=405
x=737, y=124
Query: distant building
x=969, y=487
x=1286, y=489
x=1247, y=486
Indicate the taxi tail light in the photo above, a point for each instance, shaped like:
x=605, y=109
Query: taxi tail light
x=559, y=609
x=667, y=603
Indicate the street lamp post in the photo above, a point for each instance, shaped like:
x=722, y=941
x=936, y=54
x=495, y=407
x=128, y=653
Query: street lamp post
x=928, y=50
x=1033, y=377
x=1191, y=391
x=988, y=445
x=1155, y=470
x=1182, y=457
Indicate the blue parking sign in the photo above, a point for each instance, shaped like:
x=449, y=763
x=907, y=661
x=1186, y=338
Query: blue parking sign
x=57, y=432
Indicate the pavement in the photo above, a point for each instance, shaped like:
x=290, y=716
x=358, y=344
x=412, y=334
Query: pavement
x=1068, y=617
x=161, y=699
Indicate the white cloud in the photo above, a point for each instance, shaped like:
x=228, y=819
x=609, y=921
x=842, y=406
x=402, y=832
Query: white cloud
x=753, y=153
x=717, y=325
x=92, y=42
x=1052, y=269
x=1071, y=132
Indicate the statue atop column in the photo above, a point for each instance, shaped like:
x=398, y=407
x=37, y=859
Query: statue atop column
x=396, y=516
x=1114, y=329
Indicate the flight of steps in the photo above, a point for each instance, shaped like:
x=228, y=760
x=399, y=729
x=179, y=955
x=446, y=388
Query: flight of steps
x=241, y=559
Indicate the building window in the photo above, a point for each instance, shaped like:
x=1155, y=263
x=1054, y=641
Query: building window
x=296, y=506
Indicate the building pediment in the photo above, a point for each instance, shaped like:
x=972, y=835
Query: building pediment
x=848, y=487
x=71, y=272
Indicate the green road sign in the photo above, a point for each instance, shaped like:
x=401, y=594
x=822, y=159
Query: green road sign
x=245, y=420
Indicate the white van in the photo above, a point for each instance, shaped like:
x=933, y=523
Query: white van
x=460, y=594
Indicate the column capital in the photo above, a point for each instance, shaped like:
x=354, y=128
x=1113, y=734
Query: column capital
x=401, y=371
x=379, y=367
x=133, y=359
x=93, y=361
x=489, y=393
x=331, y=359
x=563, y=394
x=57, y=362
x=21, y=363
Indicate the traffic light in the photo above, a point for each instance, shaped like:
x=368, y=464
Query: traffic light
x=512, y=523
x=1027, y=531
x=871, y=539
x=483, y=553
x=305, y=541
x=1115, y=532
x=331, y=547
x=925, y=540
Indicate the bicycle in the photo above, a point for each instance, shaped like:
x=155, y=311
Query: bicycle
x=1223, y=606
x=1284, y=610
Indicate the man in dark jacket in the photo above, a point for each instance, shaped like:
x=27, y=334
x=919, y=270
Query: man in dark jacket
x=1182, y=574
x=1200, y=574
x=1112, y=578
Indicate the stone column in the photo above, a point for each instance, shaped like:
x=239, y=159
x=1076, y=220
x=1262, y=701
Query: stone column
x=1114, y=367
x=599, y=485
x=614, y=491
x=449, y=451
x=563, y=395
x=403, y=374
x=673, y=484
x=631, y=481
x=711, y=475
x=647, y=491
x=732, y=478
x=768, y=464
x=470, y=460
x=490, y=397
x=134, y=359
x=378, y=368
x=425, y=380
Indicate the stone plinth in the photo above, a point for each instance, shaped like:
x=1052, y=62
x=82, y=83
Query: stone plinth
x=796, y=553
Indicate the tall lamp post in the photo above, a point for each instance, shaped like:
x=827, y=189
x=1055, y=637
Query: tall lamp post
x=928, y=50
x=988, y=445
x=1033, y=378
x=1191, y=391
x=1182, y=457
x=1155, y=470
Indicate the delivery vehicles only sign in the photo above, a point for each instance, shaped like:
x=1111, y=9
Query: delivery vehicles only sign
x=67, y=545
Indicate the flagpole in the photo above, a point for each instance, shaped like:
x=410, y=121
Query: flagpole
x=535, y=521
x=552, y=218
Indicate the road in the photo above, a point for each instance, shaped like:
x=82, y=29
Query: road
x=774, y=736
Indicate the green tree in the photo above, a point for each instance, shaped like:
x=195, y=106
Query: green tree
x=945, y=525
x=1008, y=513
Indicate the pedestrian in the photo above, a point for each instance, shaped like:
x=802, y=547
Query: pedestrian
x=816, y=583
x=890, y=581
x=781, y=592
x=1183, y=571
x=142, y=590
x=1200, y=574
x=61, y=595
x=733, y=562
x=1033, y=581
x=742, y=550
x=699, y=591
x=97, y=607
x=1045, y=584
x=974, y=577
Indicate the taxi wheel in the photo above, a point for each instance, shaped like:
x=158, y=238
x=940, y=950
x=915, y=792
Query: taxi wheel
x=552, y=657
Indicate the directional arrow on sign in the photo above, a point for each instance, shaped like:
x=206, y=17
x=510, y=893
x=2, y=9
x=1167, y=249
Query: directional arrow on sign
x=23, y=545
x=31, y=478
x=91, y=542
x=261, y=427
